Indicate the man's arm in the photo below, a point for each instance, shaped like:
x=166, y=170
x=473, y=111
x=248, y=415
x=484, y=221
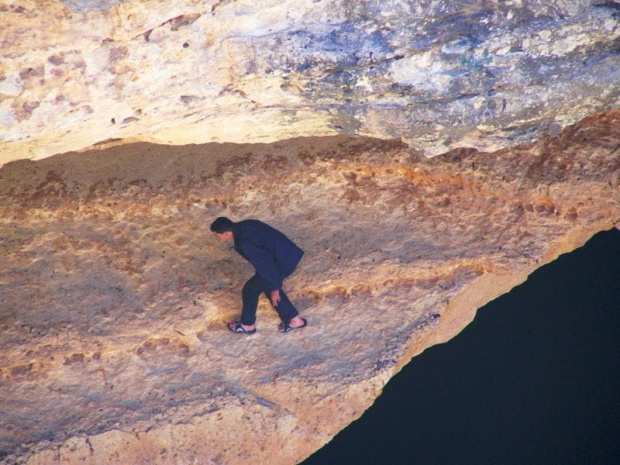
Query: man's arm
x=265, y=265
x=275, y=298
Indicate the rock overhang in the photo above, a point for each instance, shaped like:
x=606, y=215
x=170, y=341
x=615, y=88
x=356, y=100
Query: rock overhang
x=436, y=75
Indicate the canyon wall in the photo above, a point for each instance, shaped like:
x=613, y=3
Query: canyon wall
x=436, y=74
x=427, y=155
x=115, y=295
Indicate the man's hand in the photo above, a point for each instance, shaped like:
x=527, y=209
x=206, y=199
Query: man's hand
x=275, y=297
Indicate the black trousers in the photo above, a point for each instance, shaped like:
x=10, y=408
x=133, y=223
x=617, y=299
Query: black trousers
x=250, y=294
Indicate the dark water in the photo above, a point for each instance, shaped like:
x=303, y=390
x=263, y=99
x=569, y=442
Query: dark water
x=535, y=379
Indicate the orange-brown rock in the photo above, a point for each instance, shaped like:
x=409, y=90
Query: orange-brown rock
x=114, y=294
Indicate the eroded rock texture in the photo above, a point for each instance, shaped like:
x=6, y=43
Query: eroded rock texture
x=436, y=74
x=113, y=294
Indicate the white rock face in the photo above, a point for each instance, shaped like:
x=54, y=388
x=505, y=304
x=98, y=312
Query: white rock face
x=437, y=74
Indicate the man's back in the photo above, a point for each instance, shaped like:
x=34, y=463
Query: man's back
x=259, y=243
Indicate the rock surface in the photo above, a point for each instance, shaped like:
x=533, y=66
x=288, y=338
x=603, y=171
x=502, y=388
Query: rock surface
x=313, y=115
x=436, y=74
x=113, y=294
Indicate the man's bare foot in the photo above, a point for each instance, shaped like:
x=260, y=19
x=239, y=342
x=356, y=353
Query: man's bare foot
x=237, y=327
x=297, y=322
x=294, y=323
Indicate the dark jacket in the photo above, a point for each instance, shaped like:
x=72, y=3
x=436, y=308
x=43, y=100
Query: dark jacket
x=273, y=255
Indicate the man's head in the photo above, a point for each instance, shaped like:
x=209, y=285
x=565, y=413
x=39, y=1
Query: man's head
x=222, y=228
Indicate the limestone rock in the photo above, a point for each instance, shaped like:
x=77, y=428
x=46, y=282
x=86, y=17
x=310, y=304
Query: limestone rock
x=435, y=74
x=113, y=294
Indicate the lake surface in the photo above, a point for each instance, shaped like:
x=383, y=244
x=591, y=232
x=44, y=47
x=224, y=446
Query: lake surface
x=535, y=379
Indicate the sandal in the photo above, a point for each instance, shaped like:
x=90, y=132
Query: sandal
x=237, y=327
x=285, y=327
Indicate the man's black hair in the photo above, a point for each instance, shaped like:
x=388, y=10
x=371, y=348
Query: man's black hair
x=222, y=225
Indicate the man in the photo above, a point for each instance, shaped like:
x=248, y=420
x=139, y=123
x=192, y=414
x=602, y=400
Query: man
x=274, y=257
